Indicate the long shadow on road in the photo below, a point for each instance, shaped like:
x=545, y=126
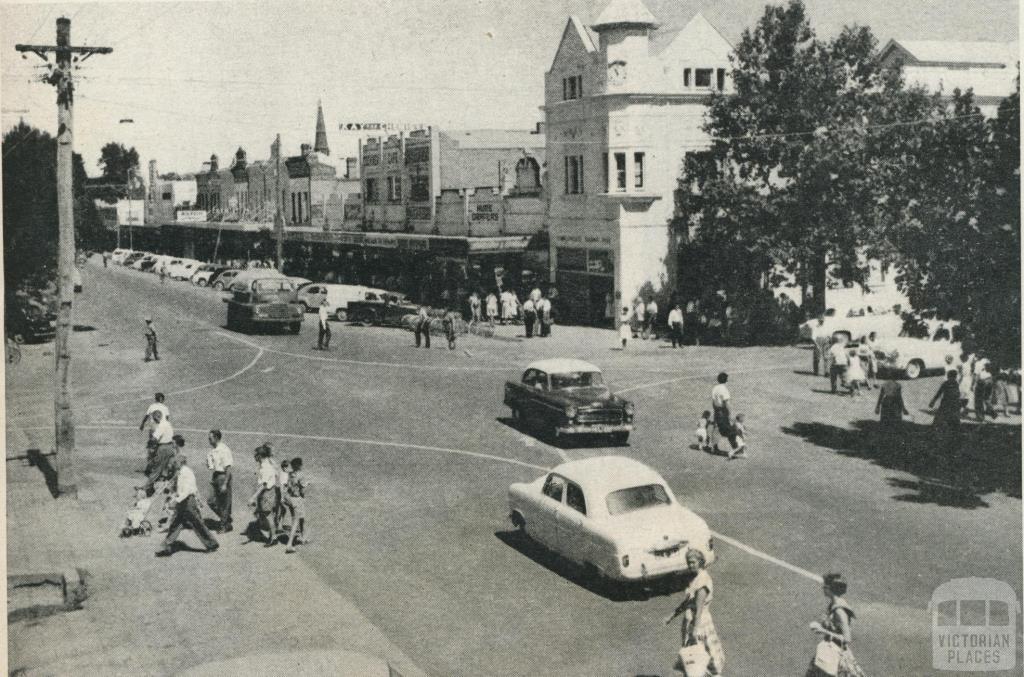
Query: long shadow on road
x=987, y=459
x=584, y=578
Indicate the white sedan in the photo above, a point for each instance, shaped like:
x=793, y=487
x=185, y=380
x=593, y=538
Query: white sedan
x=613, y=515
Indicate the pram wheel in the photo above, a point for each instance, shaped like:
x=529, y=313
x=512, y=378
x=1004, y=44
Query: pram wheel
x=145, y=528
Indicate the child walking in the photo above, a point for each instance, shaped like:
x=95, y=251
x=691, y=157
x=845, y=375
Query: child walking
x=295, y=498
x=702, y=431
x=741, y=434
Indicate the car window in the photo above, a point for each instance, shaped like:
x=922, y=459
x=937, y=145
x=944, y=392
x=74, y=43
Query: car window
x=575, y=379
x=574, y=497
x=554, y=488
x=941, y=335
x=636, y=498
x=370, y=296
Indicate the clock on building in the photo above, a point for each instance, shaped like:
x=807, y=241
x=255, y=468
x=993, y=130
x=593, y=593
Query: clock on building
x=617, y=72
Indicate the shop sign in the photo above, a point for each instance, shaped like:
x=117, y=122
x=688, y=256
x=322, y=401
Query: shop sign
x=190, y=215
x=414, y=243
x=384, y=241
x=484, y=212
x=498, y=244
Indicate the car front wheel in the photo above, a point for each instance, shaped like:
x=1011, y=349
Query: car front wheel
x=914, y=369
x=219, y=286
x=340, y=315
x=201, y=282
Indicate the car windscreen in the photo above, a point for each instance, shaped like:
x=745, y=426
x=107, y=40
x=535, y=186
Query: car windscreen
x=273, y=285
x=576, y=379
x=636, y=498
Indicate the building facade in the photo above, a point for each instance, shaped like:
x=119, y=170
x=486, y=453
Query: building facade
x=624, y=102
x=987, y=68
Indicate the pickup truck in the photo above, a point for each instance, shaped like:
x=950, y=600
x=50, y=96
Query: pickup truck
x=567, y=397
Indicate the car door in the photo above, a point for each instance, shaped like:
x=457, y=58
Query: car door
x=534, y=410
x=545, y=520
x=312, y=295
x=571, y=517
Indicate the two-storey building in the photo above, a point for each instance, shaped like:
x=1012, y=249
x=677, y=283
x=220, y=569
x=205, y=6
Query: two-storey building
x=624, y=101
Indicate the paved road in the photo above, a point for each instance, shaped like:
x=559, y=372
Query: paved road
x=412, y=458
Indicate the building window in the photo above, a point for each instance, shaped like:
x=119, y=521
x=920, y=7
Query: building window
x=620, y=171
x=371, y=190
x=573, y=174
x=721, y=79
x=167, y=196
x=572, y=87
x=604, y=164
x=295, y=213
x=638, y=170
x=419, y=189
x=394, y=188
x=686, y=76
x=703, y=77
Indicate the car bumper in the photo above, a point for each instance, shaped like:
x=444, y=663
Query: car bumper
x=594, y=428
x=650, y=567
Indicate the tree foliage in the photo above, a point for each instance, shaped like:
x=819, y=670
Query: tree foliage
x=118, y=166
x=822, y=161
x=30, y=206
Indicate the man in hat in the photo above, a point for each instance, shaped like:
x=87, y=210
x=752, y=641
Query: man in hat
x=186, y=510
x=151, y=340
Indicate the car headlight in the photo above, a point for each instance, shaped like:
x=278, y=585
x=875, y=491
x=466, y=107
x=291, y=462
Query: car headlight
x=570, y=412
x=630, y=409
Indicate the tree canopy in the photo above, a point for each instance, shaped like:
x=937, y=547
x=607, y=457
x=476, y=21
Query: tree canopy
x=822, y=161
x=118, y=165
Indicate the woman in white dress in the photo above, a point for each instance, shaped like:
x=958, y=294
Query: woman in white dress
x=625, y=329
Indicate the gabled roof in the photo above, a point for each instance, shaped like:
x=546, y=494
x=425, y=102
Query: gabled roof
x=662, y=38
x=942, y=52
x=625, y=13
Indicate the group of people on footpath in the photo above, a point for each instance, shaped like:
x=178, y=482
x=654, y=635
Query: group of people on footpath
x=280, y=489
x=535, y=312
x=701, y=653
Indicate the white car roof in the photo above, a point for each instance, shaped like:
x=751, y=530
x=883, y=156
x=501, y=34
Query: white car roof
x=600, y=475
x=246, y=276
x=562, y=365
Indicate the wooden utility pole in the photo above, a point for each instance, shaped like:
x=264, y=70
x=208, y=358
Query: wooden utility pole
x=61, y=78
x=278, y=213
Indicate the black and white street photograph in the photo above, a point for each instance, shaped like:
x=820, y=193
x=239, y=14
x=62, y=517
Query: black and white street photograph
x=467, y=338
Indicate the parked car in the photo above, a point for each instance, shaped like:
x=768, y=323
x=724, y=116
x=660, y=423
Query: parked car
x=300, y=282
x=914, y=356
x=206, y=272
x=263, y=299
x=132, y=258
x=382, y=308
x=138, y=263
x=183, y=270
x=338, y=297
x=568, y=397
x=118, y=256
x=31, y=317
x=854, y=324
x=614, y=516
x=224, y=279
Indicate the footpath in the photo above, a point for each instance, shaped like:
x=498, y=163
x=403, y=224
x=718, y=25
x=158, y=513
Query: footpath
x=242, y=610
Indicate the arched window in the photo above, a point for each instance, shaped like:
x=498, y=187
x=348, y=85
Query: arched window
x=527, y=176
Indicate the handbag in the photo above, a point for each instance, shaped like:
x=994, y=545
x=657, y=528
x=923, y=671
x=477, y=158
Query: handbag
x=826, y=657
x=693, y=660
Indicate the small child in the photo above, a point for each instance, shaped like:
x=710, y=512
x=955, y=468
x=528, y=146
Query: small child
x=135, y=523
x=283, y=475
x=702, y=431
x=741, y=432
x=296, y=500
x=448, y=323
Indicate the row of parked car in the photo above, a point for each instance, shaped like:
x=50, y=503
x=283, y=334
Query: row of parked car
x=345, y=302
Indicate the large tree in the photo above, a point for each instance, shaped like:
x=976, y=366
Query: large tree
x=788, y=183
x=118, y=166
x=958, y=241
x=30, y=206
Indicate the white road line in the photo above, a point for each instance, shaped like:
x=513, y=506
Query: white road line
x=768, y=558
x=459, y=452
x=533, y=442
x=705, y=377
x=369, y=363
x=325, y=438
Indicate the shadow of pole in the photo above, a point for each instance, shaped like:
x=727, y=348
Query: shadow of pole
x=40, y=460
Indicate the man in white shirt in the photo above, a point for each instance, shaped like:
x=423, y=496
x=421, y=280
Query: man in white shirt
x=323, y=339
x=652, y=319
x=675, y=326
x=160, y=445
x=157, y=405
x=186, y=511
x=544, y=315
x=840, y=363
x=219, y=460
x=529, y=316
x=720, y=397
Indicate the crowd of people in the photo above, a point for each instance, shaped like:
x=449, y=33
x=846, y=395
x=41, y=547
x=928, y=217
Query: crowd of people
x=170, y=496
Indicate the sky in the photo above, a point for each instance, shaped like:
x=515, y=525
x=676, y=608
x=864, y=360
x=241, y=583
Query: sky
x=198, y=78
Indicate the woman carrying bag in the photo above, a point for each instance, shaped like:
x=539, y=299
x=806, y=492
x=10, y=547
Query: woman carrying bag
x=832, y=656
x=701, y=653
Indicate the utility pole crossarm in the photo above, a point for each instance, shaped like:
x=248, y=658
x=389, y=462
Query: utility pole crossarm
x=42, y=49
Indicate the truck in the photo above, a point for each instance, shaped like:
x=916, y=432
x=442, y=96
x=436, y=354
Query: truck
x=263, y=299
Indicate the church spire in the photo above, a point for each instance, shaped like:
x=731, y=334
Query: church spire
x=320, y=144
